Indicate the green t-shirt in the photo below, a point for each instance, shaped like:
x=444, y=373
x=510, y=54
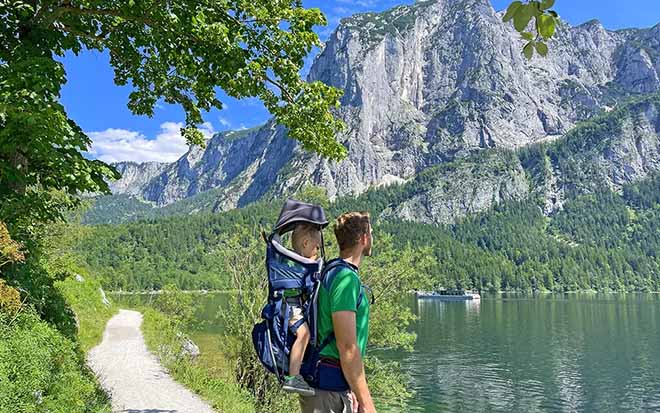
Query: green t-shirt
x=343, y=296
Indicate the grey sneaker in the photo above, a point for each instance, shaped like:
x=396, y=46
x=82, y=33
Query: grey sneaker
x=296, y=384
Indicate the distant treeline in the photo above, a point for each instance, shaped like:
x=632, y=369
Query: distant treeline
x=602, y=240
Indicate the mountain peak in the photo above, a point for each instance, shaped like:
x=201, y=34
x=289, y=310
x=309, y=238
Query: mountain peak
x=423, y=85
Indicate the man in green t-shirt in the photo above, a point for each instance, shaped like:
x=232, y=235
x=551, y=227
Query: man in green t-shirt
x=343, y=309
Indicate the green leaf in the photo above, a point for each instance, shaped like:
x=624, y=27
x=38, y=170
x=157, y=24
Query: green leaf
x=527, y=36
x=193, y=136
x=546, y=4
x=522, y=17
x=546, y=25
x=528, y=50
x=511, y=11
x=535, y=7
x=541, y=48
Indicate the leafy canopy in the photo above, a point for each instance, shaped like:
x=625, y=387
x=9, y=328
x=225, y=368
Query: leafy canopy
x=178, y=51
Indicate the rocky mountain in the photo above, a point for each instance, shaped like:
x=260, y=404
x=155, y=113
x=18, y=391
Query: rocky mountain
x=427, y=85
x=135, y=176
x=608, y=151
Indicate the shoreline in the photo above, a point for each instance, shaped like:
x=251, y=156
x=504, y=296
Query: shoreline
x=157, y=292
x=524, y=292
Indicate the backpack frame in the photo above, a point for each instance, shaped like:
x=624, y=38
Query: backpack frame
x=273, y=337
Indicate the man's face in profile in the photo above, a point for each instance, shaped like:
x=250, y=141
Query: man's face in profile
x=367, y=249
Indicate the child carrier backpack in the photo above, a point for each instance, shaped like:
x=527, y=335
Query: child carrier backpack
x=287, y=270
x=273, y=337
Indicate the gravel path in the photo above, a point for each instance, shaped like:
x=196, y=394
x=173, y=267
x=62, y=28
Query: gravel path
x=133, y=376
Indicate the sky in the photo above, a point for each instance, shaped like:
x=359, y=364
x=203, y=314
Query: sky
x=91, y=98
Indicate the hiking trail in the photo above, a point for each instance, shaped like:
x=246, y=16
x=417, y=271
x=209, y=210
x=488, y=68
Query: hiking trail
x=134, y=377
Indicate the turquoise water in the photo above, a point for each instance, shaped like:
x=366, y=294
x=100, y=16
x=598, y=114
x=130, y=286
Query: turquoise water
x=549, y=353
x=586, y=352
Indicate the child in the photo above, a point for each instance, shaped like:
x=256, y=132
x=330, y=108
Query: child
x=306, y=241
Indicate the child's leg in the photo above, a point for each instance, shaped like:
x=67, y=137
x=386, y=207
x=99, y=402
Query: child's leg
x=298, y=350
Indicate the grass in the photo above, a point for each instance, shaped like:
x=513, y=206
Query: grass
x=42, y=369
x=85, y=299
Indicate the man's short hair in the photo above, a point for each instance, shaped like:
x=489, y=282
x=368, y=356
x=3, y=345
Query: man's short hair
x=301, y=232
x=349, y=227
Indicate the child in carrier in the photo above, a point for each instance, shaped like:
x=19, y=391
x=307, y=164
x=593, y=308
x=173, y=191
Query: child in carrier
x=306, y=241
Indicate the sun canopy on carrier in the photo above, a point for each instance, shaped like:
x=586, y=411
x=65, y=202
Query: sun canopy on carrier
x=294, y=212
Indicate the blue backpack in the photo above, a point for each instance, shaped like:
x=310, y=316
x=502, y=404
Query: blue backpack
x=273, y=337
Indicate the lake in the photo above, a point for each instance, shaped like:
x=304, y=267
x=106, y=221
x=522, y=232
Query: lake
x=574, y=352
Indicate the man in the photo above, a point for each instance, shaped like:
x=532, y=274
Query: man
x=343, y=309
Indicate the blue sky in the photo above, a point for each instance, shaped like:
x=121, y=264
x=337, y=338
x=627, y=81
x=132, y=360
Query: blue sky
x=99, y=106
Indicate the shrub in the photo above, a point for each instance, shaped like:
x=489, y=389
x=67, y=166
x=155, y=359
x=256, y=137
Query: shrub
x=10, y=250
x=10, y=299
x=176, y=304
x=40, y=370
x=201, y=376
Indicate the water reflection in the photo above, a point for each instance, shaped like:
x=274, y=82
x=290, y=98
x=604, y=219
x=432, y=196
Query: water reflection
x=546, y=353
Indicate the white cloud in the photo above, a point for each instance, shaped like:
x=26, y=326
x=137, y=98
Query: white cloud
x=362, y=3
x=224, y=122
x=115, y=145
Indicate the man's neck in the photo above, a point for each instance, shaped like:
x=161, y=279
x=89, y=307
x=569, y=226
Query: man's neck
x=352, y=256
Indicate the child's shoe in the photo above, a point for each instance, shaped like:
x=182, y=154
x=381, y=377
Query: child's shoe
x=296, y=384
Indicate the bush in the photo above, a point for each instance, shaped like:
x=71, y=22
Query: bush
x=242, y=256
x=40, y=370
x=391, y=273
x=176, y=304
x=38, y=289
x=10, y=299
x=10, y=250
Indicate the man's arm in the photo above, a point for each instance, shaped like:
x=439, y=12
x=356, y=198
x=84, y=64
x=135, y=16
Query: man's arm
x=344, y=326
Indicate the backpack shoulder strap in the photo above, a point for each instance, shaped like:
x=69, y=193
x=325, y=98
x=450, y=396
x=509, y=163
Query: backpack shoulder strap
x=330, y=271
x=328, y=276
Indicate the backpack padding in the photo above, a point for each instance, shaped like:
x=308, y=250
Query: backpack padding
x=328, y=278
x=276, y=242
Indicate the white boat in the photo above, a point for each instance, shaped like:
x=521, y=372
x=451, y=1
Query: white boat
x=449, y=295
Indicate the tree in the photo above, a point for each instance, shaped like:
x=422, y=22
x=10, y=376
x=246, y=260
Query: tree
x=177, y=51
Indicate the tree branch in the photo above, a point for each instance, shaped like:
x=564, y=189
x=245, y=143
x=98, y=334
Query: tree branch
x=39, y=13
x=89, y=36
x=68, y=8
x=48, y=19
x=284, y=91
